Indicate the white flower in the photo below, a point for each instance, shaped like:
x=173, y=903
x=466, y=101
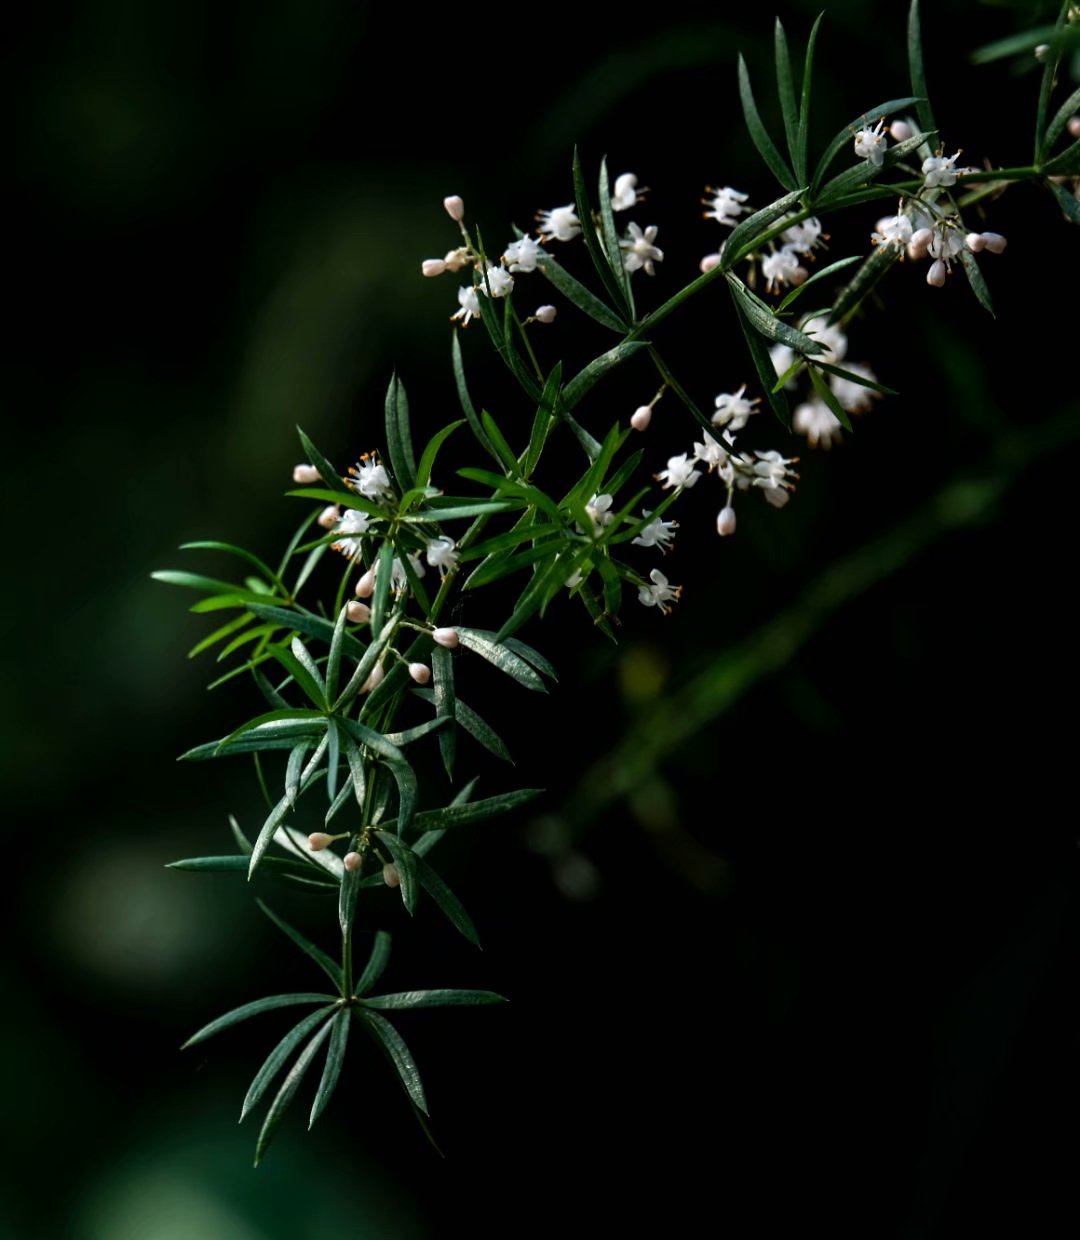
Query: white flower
x=659, y=592
x=352, y=524
x=803, y=237
x=626, y=193
x=559, y=224
x=469, y=305
x=442, y=554
x=818, y=423
x=855, y=397
x=598, y=511
x=783, y=358
x=680, y=472
x=870, y=144
x=712, y=453
x=522, y=255
x=640, y=251
x=782, y=267
x=498, y=281
x=733, y=409
x=771, y=474
x=658, y=533
x=939, y=171
x=725, y=205
x=893, y=230
x=455, y=260
x=545, y=314
x=830, y=336
x=399, y=581
x=369, y=478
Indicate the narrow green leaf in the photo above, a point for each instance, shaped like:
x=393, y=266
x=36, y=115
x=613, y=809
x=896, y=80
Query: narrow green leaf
x=333, y=758
x=530, y=656
x=473, y=812
x=1057, y=126
x=612, y=585
x=975, y=279
x=431, y=451
x=468, y=408
x=347, y=898
x=536, y=595
x=275, y=1061
x=407, y=788
x=302, y=656
x=399, y=435
x=759, y=134
x=611, y=241
x=328, y=966
x=293, y=768
x=376, y=962
x=375, y=741
x=852, y=376
x=1066, y=201
x=242, y=841
x=339, y=802
x=278, y=813
x=311, y=626
x=505, y=453
x=764, y=320
x=763, y=364
x=1067, y=163
x=587, y=378
x=232, y=549
x=235, y=863
x=237, y=622
x=745, y=235
x=351, y=500
x=576, y=292
x=333, y=662
x=496, y=567
x=256, y=1008
x=844, y=184
x=269, y=725
x=828, y=396
x=785, y=89
x=405, y=861
x=592, y=241
x=446, y=900
x=545, y=418
x=260, y=633
x=383, y=579
x=1013, y=44
x=877, y=264
x=285, y=1093
x=503, y=542
x=485, y=644
x=335, y=1057
x=917, y=70
x=442, y=666
x=327, y=472
x=831, y=269
x=803, y=136
x=480, y=730
x=400, y=1056
x=295, y=842
x=433, y=998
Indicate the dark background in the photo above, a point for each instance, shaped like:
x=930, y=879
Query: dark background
x=819, y=963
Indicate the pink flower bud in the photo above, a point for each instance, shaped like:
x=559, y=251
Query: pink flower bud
x=725, y=522
x=390, y=875
x=447, y=638
x=455, y=207
x=374, y=680
x=353, y=861
x=305, y=475
x=709, y=262
x=358, y=613
x=919, y=245
x=433, y=266
x=1073, y=126
x=936, y=275
x=994, y=242
x=329, y=517
x=641, y=417
x=545, y=314
x=365, y=587
x=900, y=131
x=318, y=840
x=420, y=672
x=975, y=242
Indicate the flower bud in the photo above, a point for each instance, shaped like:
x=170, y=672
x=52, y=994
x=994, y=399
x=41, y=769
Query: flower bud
x=455, y=207
x=975, y=242
x=365, y=587
x=433, y=266
x=318, y=840
x=919, y=245
x=447, y=638
x=305, y=475
x=420, y=672
x=329, y=517
x=1073, y=126
x=390, y=875
x=708, y=263
x=994, y=242
x=900, y=131
x=545, y=314
x=456, y=259
x=358, y=613
x=353, y=861
x=936, y=275
x=725, y=522
x=374, y=680
x=1042, y=53
x=641, y=417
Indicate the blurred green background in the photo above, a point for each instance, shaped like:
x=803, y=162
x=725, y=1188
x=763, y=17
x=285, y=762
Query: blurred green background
x=794, y=935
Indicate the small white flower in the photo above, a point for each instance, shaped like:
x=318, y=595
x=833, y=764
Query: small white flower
x=659, y=592
x=680, y=472
x=818, y=423
x=711, y=453
x=658, y=533
x=855, y=397
x=545, y=314
x=639, y=249
x=626, y=192
x=946, y=244
x=305, y=475
x=733, y=409
x=598, y=511
x=370, y=479
x=468, y=305
x=782, y=267
x=499, y=281
x=455, y=207
x=725, y=205
x=893, y=230
x=783, y=358
x=442, y=553
x=771, y=474
x=559, y=224
x=725, y=521
x=834, y=340
x=399, y=581
x=803, y=237
x=939, y=171
x=870, y=144
x=349, y=529
x=522, y=255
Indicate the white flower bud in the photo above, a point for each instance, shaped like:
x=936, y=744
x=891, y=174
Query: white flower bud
x=455, y=260
x=318, y=840
x=974, y=242
x=358, y=613
x=936, y=275
x=374, y=680
x=708, y=263
x=329, y=517
x=447, y=638
x=919, y=245
x=305, y=475
x=365, y=587
x=420, y=672
x=390, y=875
x=900, y=131
x=994, y=242
x=725, y=522
x=455, y=207
x=641, y=417
x=1073, y=126
x=433, y=266
x=545, y=314
x=1042, y=53
x=353, y=861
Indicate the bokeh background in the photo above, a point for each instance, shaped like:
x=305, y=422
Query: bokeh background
x=794, y=936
